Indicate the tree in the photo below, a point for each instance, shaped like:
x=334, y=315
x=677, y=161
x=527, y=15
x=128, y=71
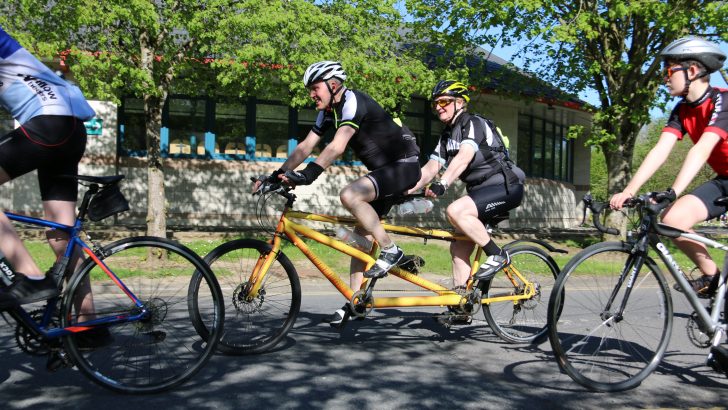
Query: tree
x=610, y=46
x=150, y=48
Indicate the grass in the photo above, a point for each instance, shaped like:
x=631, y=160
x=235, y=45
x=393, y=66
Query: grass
x=435, y=253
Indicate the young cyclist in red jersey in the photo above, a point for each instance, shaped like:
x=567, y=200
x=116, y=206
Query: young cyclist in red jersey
x=702, y=114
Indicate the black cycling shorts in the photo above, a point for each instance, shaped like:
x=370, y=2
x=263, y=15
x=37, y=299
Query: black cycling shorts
x=709, y=192
x=391, y=181
x=52, y=144
x=493, y=200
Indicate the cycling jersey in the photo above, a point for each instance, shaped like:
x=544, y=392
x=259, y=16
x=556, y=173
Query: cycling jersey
x=489, y=166
x=378, y=140
x=28, y=88
x=708, y=114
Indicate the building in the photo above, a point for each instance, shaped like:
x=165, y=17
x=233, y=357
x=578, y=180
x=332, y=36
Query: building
x=213, y=146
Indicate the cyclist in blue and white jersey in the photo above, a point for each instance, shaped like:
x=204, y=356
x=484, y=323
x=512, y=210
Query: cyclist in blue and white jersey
x=51, y=139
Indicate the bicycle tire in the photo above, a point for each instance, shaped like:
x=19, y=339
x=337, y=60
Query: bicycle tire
x=523, y=321
x=254, y=326
x=164, y=349
x=595, y=350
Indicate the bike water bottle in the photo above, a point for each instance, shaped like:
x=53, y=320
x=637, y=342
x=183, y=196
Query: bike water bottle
x=353, y=239
x=6, y=271
x=416, y=206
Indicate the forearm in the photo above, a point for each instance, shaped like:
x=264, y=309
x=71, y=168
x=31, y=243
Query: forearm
x=694, y=161
x=300, y=153
x=459, y=164
x=428, y=172
x=336, y=147
x=652, y=162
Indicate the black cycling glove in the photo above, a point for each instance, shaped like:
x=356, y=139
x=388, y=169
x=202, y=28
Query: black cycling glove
x=306, y=176
x=438, y=188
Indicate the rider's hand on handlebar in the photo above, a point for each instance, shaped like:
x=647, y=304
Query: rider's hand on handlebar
x=668, y=195
x=264, y=183
x=618, y=200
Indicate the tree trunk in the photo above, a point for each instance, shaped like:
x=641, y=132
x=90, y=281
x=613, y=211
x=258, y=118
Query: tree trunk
x=619, y=167
x=156, y=200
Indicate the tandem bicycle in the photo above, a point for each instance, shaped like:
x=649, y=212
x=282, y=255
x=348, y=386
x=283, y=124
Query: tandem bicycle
x=262, y=290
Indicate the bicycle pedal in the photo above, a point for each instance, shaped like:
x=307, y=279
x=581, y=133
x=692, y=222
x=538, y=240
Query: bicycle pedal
x=57, y=360
x=718, y=360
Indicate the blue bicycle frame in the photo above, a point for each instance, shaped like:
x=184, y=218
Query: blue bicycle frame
x=41, y=329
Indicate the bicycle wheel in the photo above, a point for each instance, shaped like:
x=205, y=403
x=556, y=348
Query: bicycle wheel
x=161, y=350
x=596, y=348
x=525, y=320
x=254, y=325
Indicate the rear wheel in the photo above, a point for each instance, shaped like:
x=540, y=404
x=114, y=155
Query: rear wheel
x=525, y=320
x=254, y=324
x=160, y=348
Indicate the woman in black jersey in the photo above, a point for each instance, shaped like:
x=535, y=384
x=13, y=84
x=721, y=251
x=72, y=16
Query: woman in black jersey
x=472, y=150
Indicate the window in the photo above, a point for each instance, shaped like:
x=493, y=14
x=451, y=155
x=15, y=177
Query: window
x=132, y=133
x=230, y=128
x=426, y=127
x=271, y=130
x=185, y=120
x=542, y=149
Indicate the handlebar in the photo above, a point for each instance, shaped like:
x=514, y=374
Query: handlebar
x=651, y=202
x=596, y=208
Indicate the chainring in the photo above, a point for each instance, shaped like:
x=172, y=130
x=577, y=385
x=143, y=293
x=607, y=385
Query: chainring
x=32, y=344
x=360, y=307
x=696, y=336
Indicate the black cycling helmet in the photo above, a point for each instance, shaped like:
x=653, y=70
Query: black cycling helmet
x=450, y=88
x=322, y=71
x=698, y=49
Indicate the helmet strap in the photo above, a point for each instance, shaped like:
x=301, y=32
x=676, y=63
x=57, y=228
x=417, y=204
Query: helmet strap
x=455, y=112
x=332, y=93
x=687, y=84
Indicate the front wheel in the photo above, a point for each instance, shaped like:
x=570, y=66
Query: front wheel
x=254, y=323
x=601, y=340
x=161, y=348
x=524, y=320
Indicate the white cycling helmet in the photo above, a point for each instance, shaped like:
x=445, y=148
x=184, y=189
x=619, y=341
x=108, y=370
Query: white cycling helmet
x=322, y=71
x=698, y=49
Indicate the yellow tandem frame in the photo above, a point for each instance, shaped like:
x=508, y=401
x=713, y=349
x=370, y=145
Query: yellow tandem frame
x=444, y=296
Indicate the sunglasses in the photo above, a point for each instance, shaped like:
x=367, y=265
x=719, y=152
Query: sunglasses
x=669, y=71
x=442, y=103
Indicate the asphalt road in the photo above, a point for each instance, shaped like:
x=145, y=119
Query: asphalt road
x=397, y=359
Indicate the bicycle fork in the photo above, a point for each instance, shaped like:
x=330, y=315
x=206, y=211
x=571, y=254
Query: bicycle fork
x=629, y=273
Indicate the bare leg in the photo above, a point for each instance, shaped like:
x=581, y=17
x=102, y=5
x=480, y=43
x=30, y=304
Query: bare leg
x=463, y=215
x=64, y=212
x=356, y=197
x=684, y=214
x=356, y=268
x=12, y=246
x=461, y=251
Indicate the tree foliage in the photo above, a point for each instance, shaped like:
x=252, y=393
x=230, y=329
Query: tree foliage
x=610, y=46
x=151, y=48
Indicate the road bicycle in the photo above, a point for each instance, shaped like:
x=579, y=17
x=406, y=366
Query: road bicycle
x=610, y=311
x=125, y=317
x=263, y=293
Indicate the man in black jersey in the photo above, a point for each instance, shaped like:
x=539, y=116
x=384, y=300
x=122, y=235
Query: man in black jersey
x=388, y=150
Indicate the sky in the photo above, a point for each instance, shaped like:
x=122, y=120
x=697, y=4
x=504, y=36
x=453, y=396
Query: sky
x=591, y=97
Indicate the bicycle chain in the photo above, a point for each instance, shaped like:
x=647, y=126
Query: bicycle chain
x=453, y=310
